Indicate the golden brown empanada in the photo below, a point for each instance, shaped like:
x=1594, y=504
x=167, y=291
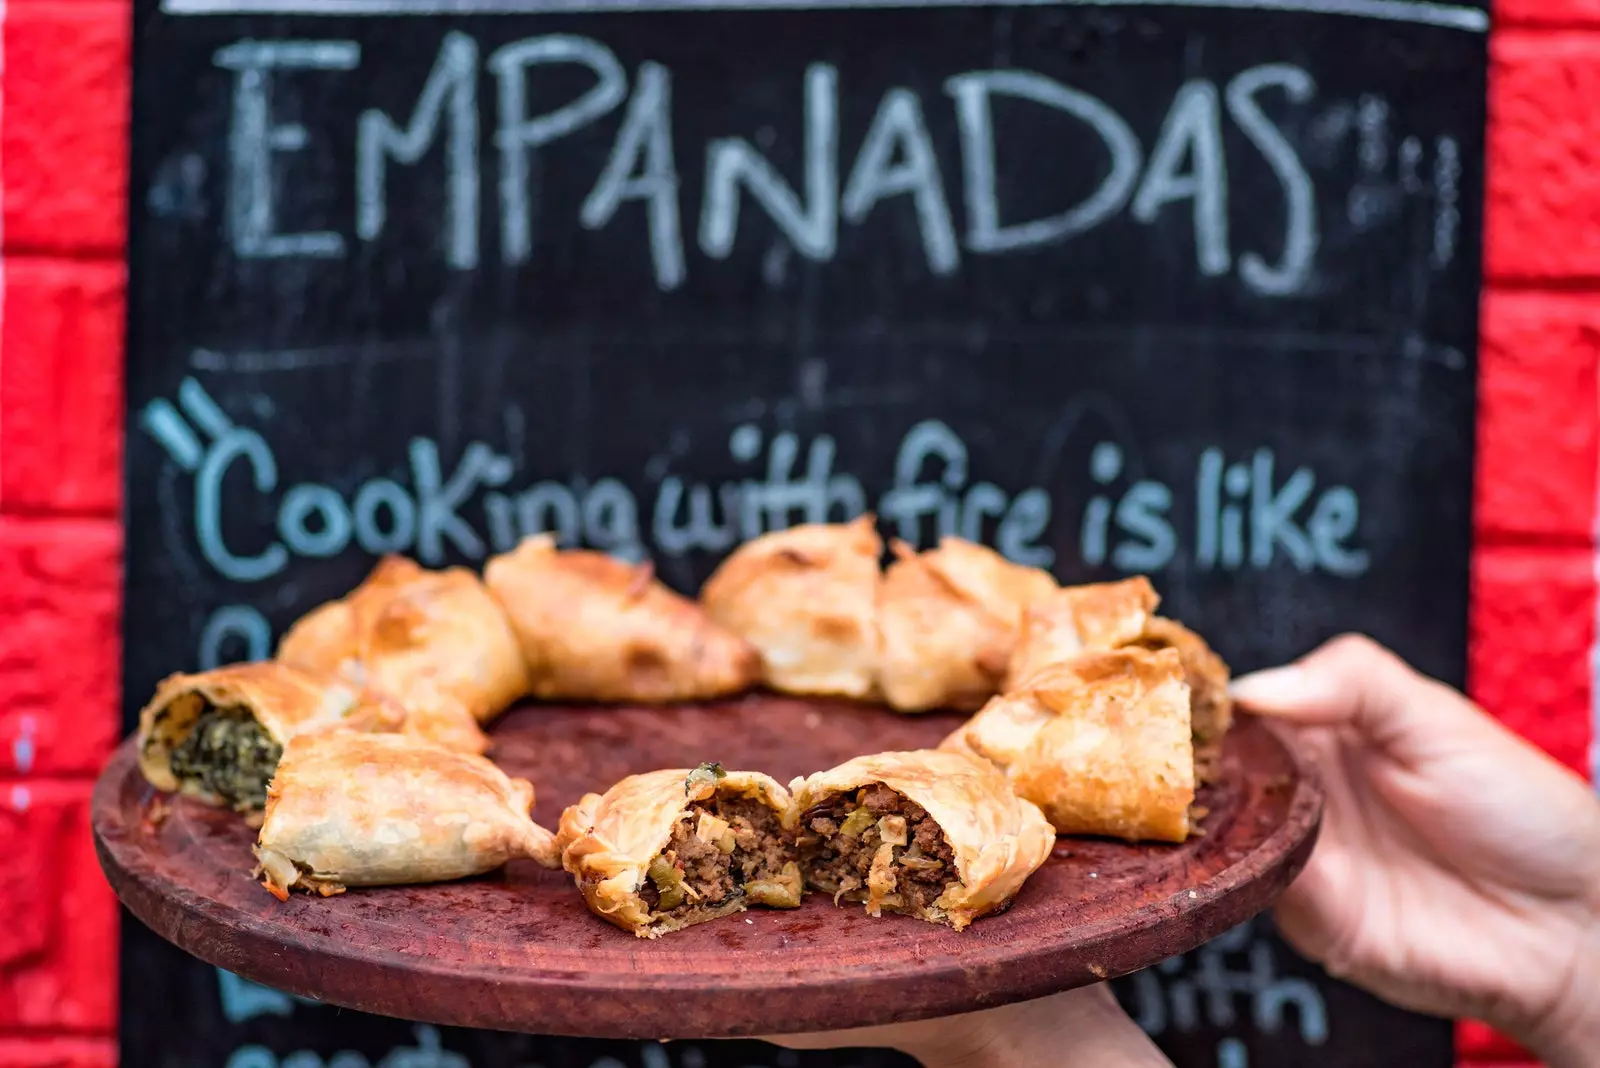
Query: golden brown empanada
x=1112, y=615
x=1100, y=742
x=806, y=597
x=935, y=835
x=594, y=628
x=434, y=641
x=351, y=809
x=948, y=621
x=217, y=735
x=667, y=849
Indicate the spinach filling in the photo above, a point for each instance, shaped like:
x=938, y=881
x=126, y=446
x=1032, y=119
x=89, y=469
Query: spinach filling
x=229, y=754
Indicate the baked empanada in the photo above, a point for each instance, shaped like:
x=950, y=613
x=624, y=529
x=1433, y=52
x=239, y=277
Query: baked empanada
x=1100, y=742
x=667, y=849
x=434, y=641
x=948, y=621
x=351, y=809
x=593, y=628
x=935, y=835
x=218, y=735
x=1113, y=615
x=806, y=597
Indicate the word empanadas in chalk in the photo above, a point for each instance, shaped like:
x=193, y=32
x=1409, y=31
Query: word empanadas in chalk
x=390, y=809
x=667, y=849
x=935, y=835
x=1100, y=742
x=948, y=620
x=806, y=597
x=594, y=628
x=1113, y=615
x=434, y=641
x=218, y=735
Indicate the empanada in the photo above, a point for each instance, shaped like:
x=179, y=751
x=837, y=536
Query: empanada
x=806, y=597
x=593, y=628
x=948, y=621
x=351, y=809
x=667, y=849
x=218, y=735
x=935, y=835
x=435, y=641
x=1112, y=615
x=1100, y=742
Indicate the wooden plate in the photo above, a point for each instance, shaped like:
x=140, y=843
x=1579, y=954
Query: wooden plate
x=517, y=950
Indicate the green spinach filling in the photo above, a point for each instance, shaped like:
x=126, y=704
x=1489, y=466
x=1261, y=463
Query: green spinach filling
x=228, y=754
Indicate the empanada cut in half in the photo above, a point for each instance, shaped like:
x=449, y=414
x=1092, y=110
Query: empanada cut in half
x=391, y=809
x=668, y=849
x=806, y=597
x=1114, y=615
x=935, y=835
x=434, y=641
x=1101, y=743
x=595, y=628
x=218, y=735
x=948, y=621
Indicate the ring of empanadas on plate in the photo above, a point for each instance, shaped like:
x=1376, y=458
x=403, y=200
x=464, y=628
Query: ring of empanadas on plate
x=933, y=834
x=390, y=809
x=435, y=641
x=1113, y=615
x=661, y=851
x=593, y=628
x=218, y=735
x=1100, y=742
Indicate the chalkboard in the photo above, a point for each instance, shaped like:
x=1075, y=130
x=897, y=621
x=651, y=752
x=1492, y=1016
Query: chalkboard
x=1187, y=289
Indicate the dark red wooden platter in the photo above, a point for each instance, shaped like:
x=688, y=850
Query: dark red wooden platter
x=518, y=951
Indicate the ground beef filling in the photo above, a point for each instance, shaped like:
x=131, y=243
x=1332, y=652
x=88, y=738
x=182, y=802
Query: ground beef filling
x=229, y=754
x=877, y=847
x=725, y=851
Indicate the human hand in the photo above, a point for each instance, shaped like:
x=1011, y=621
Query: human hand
x=1458, y=868
x=1083, y=1028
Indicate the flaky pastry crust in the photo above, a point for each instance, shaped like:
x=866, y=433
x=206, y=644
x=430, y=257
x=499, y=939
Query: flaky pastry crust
x=286, y=701
x=998, y=839
x=594, y=628
x=435, y=641
x=948, y=621
x=607, y=841
x=806, y=597
x=1079, y=619
x=1101, y=743
x=390, y=809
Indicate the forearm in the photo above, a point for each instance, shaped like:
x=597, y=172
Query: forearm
x=1087, y=1030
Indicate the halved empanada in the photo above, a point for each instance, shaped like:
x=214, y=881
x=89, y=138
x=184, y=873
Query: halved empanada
x=594, y=628
x=948, y=620
x=1100, y=742
x=218, y=735
x=1210, y=706
x=806, y=597
x=390, y=809
x=935, y=835
x=435, y=641
x=667, y=849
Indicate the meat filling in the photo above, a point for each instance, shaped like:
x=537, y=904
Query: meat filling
x=725, y=852
x=229, y=754
x=879, y=847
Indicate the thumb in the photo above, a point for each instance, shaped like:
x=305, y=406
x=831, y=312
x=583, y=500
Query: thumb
x=1355, y=683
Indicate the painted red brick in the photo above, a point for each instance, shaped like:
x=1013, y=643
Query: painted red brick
x=58, y=918
x=63, y=142
x=60, y=591
x=1538, y=418
x=61, y=386
x=1544, y=156
x=1487, y=1048
x=1530, y=640
x=58, y=1052
x=1547, y=13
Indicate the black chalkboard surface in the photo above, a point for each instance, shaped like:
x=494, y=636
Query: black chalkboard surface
x=1187, y=289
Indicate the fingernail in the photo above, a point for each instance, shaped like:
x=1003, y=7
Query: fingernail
x=1274, y=686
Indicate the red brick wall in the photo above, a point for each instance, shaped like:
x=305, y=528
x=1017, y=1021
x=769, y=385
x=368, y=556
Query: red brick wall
x=62, y=175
